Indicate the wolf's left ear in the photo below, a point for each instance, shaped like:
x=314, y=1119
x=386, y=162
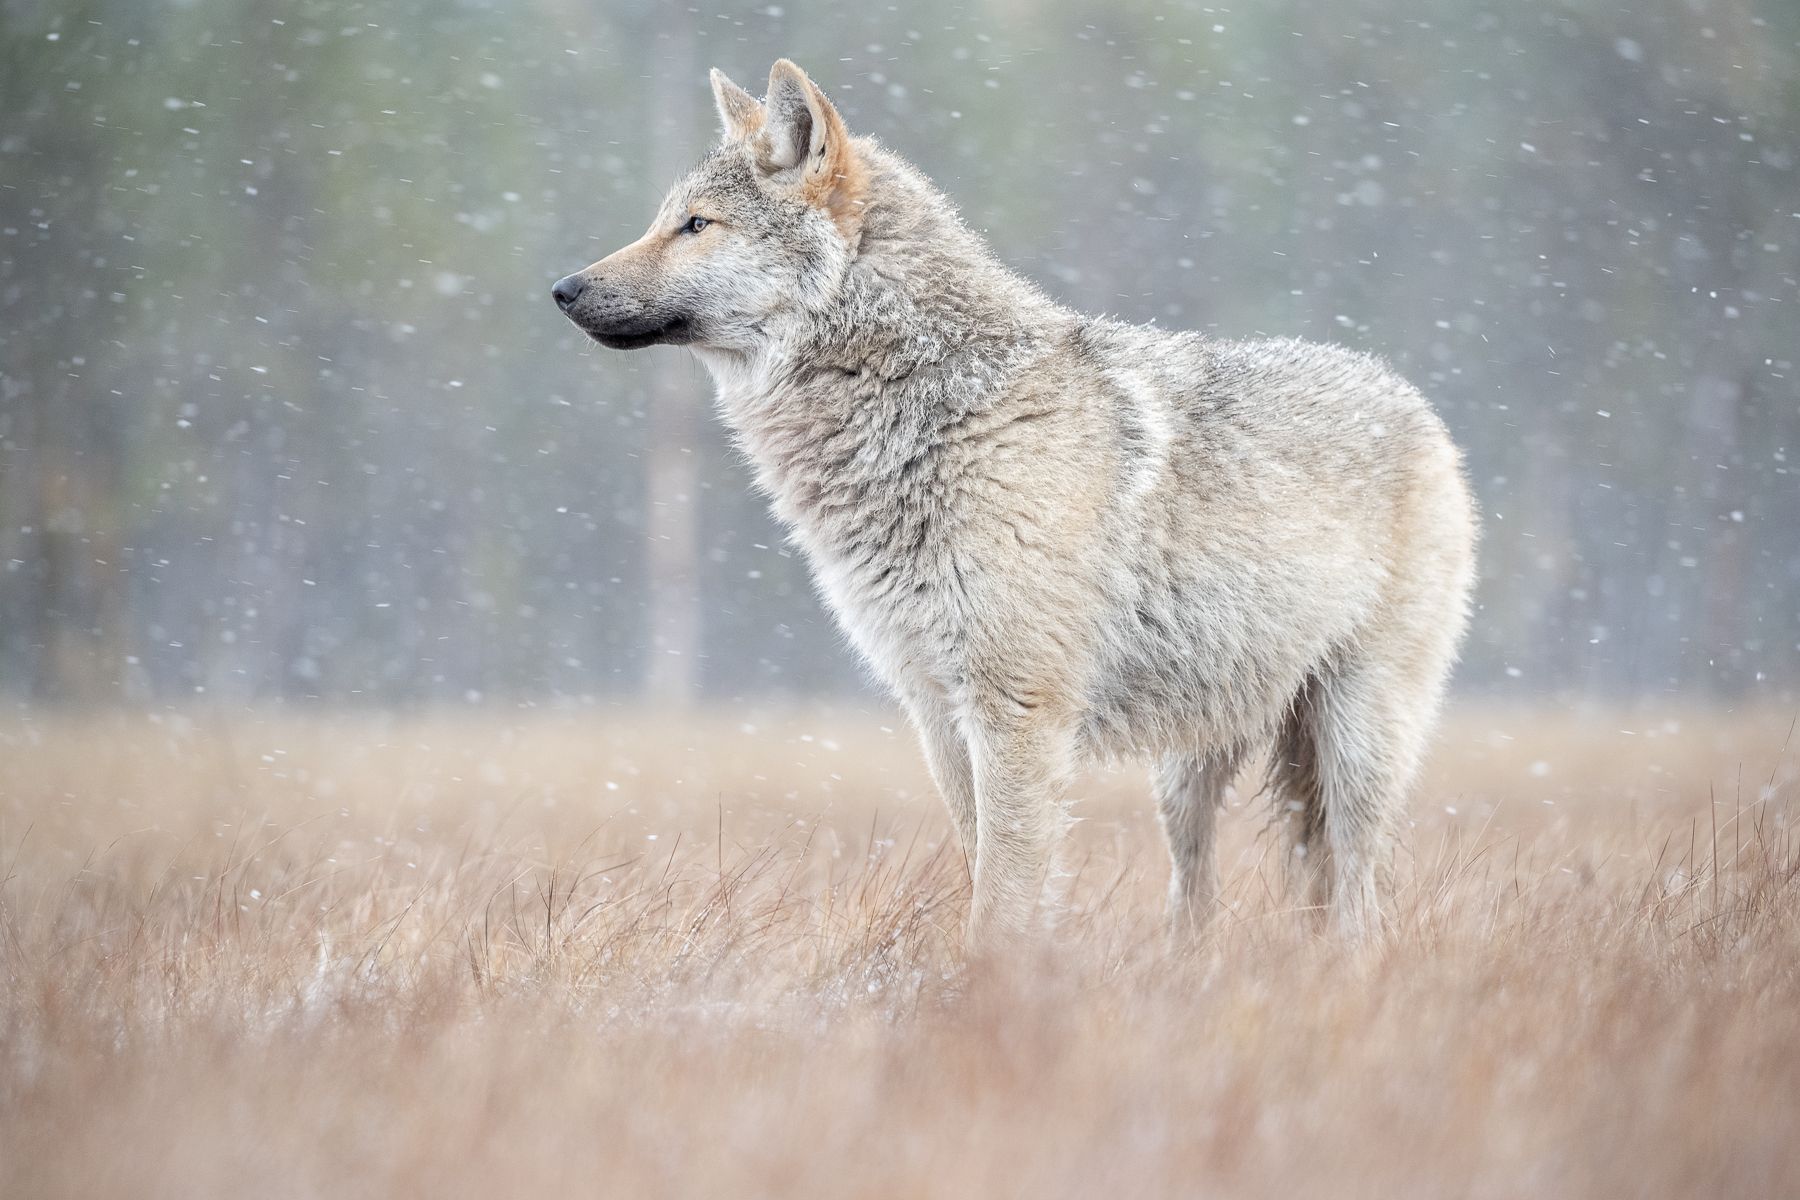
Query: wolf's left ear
x=740, y=113
x=804, y=143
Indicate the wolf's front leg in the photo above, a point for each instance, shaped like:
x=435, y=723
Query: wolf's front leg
x=1022, y=759
x=947, y=757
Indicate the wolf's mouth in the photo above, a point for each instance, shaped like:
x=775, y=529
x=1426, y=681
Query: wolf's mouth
x=672, y=333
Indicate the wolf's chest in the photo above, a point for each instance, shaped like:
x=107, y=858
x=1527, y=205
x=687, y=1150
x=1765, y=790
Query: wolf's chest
x=853, y=478
x=890, y=601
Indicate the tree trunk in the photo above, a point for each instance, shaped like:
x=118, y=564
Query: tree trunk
x=671, y=676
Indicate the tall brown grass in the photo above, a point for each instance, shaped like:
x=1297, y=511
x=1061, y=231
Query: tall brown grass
x=492, y=956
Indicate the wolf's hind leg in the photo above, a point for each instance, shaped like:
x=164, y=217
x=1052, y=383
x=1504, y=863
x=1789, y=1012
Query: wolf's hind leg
x=1343, y=764
x=1299, y=802
x=1371, y=723
x=1189, y=790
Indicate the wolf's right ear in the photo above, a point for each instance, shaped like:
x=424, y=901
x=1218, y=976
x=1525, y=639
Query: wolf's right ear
x=804, y=144
x=740, y=113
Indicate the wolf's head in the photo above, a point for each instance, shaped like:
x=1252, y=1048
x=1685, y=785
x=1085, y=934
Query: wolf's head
x=766, y=223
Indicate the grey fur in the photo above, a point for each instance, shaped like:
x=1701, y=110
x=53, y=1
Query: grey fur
x=1057, y=537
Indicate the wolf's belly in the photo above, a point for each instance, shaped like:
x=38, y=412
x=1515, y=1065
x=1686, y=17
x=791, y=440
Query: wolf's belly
x=1214, y=661
x=1143, y=707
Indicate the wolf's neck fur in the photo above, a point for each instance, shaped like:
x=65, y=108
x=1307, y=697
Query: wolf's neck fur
x=924, y=328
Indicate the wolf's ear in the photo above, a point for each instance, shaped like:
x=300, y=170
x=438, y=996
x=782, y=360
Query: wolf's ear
x=740, y=113
x=804, y=142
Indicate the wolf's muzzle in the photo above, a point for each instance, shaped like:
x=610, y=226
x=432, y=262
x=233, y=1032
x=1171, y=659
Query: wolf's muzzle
x=615, y=320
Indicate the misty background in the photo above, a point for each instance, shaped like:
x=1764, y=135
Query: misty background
x=286, y=410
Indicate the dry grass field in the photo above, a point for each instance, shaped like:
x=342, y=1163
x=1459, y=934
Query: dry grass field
x=523, y=954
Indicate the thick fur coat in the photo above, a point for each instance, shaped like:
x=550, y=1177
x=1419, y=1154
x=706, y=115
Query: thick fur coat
x=1056, y=537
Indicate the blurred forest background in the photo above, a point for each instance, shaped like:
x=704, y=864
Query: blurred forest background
x=286, y=410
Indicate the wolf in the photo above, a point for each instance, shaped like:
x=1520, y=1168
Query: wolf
x=1058, y=537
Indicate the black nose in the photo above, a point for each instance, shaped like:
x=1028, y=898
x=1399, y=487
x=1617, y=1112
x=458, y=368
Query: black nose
x=567, y=291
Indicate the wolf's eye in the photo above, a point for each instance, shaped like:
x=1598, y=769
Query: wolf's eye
x=695, y=225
